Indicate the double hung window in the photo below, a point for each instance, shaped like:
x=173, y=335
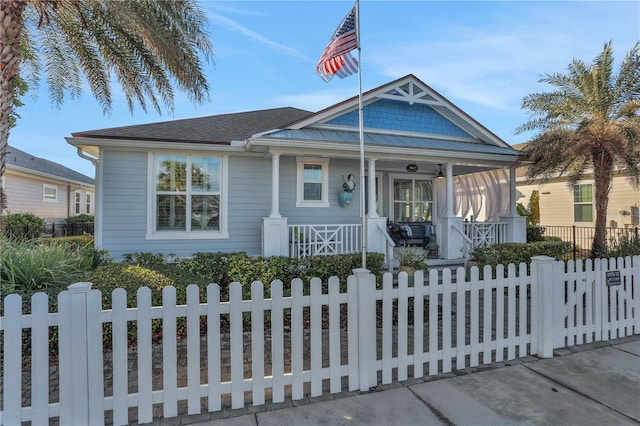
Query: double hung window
x=76, y=202
x=313, y=182
x=583, y=203
x=412, y=200
x=187, y=195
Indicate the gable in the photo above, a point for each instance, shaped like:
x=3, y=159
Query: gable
x=401, y=116
x=409, y=91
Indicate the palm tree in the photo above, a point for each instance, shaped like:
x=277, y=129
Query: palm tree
x=589, y=123
x=148, y=46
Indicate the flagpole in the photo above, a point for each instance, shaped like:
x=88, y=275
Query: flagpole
x=361, y=129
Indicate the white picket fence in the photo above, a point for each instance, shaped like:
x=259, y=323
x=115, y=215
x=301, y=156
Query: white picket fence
x=429, y=326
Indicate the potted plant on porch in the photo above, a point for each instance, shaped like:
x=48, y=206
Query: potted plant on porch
x=410, y=260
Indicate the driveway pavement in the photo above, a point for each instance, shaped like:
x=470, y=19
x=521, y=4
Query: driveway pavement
x=594, y=384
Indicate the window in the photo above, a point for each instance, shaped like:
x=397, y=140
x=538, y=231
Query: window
x=583, y=203
x=412, y=200
x=313, y=182
x=49, y=193
x=77, y=202
x=88, y=204
x=186, y=197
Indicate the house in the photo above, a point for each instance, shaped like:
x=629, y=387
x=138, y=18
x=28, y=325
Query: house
x=273, y=182
x=563, y=205
x=47, y=189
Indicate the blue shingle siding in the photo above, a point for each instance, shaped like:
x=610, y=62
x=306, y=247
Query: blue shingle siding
x=394, y=115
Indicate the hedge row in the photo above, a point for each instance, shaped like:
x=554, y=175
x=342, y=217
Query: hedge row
x=516, y=253
x=155, y=271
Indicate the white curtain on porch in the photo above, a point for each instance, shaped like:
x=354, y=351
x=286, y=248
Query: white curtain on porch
x=485, y=195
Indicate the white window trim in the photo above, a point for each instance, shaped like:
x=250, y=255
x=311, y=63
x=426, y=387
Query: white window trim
x=87, y=203
x=77, y=202
x=46, y=199
x=300, y=201
x=394, y=176
x=582, y=203
x=222, y=234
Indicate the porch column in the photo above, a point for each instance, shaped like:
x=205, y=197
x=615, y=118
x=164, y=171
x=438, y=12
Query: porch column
x=275, y=237
x=516, y=224
x=376, y=241
x=513, y=211
x=371, y=189
x=449, y=186
x=449, y=229
x=275, y=186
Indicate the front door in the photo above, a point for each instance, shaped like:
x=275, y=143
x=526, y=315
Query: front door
x=411, y=199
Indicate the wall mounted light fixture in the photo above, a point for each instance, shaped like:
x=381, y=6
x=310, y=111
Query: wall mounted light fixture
x=412, y=168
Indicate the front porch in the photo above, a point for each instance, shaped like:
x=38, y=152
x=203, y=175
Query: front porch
x=328, y=239
x=452, y=235
x=400, y=153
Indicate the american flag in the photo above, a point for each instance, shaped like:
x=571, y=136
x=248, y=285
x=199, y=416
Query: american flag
x=336, y=59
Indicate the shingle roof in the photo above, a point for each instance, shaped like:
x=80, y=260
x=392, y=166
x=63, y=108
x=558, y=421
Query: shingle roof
x=214, y=129
x=20, y=158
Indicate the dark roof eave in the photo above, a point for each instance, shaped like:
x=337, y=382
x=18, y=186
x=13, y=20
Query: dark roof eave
x=138, y=139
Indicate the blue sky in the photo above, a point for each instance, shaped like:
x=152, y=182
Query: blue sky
x=482, y=56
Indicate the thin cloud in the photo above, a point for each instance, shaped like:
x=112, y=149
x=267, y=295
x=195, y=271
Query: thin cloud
x=315, y=101
x=232, y=25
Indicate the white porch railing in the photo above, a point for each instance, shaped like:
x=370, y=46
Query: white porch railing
x=484, y=234
x=319, y=240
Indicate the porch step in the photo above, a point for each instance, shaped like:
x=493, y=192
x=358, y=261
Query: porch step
x=440, y=264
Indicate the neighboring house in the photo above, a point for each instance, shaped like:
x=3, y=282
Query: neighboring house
x=562, y=205
x=47, y=189
x=270, y=182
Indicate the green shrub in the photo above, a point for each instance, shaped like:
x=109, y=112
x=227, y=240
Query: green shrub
x=517, y=253
x=82, y=218
x=131, y=277
x=84, y=244
x=535, y=233
x=148, y=259
x=30, y=267
x=626, y=245
x=23, y=226
x=225, y=268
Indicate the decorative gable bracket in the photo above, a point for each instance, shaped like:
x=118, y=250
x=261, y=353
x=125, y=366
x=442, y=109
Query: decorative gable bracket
x=411, y=93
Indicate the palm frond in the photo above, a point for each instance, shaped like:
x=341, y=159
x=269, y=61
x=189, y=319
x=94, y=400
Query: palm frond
x=149, y=47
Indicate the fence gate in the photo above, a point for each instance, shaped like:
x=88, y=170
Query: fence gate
x=595, y=300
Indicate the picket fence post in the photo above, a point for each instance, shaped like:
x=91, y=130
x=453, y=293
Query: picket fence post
x=81, y=361
x=543, y=266
x=366, y=285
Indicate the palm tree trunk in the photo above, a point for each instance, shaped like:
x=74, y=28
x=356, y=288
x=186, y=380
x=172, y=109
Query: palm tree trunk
x=602, y=174
x=10, y=32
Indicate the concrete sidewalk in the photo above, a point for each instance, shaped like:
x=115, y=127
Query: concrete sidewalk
x=593, y=384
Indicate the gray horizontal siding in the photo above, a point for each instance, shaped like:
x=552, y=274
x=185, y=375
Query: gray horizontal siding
x=125, y=207
x=124, y=202
x=322, y=215
x=24, y=195
x=249, y=196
